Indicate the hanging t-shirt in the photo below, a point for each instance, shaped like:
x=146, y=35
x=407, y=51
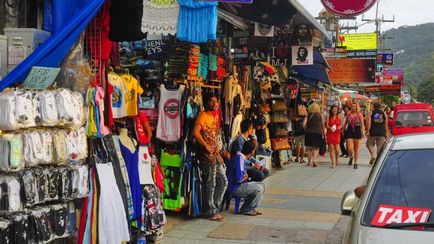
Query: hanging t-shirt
x=145, y=169
x=124, y=99
x=171, y=166
x=169, y=117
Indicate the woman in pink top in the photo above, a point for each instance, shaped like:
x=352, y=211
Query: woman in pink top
x=355, y=131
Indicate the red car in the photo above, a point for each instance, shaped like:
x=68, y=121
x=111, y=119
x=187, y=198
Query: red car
x=412, y=118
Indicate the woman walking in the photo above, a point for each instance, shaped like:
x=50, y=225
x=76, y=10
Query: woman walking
x=355, y=131
x=333, y=125
x=314, y=133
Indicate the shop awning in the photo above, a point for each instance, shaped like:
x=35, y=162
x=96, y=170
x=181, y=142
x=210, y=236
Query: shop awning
x=52, y=52
x=274, y=12
x=316, y=72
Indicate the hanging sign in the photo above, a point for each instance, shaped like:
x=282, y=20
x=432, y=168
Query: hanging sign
x=348, y=8
x=352, y=70
x=40, y=78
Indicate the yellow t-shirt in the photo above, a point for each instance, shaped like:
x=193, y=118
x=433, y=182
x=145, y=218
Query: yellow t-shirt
x=131, y=89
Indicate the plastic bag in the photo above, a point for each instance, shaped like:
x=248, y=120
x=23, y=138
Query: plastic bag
x=76, y=73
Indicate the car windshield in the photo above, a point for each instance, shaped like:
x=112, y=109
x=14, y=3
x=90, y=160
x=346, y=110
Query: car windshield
x=406, y=179
x=413, y=118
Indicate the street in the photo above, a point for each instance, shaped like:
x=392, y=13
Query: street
x=301, y=205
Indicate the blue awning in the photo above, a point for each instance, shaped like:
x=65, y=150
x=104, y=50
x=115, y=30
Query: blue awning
x=52, y=52
x=316, y=72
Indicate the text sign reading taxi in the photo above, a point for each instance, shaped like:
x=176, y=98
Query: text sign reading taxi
x=390, y=214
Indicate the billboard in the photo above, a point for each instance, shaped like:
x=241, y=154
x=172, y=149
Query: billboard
x=352, y=70
x=359, y=41
x=385, y=58
x=393, y=75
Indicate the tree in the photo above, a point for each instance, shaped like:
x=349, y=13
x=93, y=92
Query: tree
x=425, y=91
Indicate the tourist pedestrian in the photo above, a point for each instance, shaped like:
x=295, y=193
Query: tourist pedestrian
x=355, y=131
x=344, y=152
x=314, y=134
x=299, y=138
x=333, y=126
x=377, y=130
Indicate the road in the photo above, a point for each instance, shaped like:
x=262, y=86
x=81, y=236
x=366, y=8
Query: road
x=301, y=205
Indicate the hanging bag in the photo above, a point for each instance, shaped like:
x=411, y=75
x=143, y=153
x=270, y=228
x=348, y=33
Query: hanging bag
x=301, y=110
x=278, y=144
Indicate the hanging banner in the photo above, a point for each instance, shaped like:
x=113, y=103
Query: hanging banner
x=348, y=8
x=352, y=70
x=302, y=55
x=385, y=58
x=363, y=41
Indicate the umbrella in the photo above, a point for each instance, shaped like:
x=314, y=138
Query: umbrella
x=353, y=95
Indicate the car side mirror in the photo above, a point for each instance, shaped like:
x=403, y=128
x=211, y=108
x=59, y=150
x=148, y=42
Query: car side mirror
x=348, y=202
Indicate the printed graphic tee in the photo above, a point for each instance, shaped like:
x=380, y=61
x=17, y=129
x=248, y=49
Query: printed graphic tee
x=124, y=99
x=169, y=114
x=210, y=133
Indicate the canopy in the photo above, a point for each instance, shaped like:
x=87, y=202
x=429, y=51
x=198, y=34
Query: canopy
x=353, y=95
x=316, y=72
x=274, y=12
x=52, y=52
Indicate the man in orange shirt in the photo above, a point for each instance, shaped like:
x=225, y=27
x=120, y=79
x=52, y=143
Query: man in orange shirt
x=207, y=133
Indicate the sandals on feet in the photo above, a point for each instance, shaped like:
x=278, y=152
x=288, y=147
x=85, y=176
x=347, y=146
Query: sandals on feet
x=253, y=213
x=217, y=217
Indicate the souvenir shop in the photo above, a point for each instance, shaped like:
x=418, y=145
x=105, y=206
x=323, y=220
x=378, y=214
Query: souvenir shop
x=98, y=150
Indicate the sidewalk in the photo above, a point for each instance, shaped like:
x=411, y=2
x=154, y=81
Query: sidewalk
x=301, y=205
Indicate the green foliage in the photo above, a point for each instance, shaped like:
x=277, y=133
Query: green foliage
x=418, y=58
x=425, y=90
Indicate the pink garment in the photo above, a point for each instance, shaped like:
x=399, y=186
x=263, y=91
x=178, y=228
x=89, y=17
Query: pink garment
x=99, y=100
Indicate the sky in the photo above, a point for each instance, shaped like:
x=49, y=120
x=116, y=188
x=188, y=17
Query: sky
x=407, y=12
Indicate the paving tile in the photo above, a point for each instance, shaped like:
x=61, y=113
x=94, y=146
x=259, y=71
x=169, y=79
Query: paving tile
x=232, y=231
x=297, y=192
x=176, y=233
x=298, y=215
x=193, y=241
x=287, y=223
x=318, y=226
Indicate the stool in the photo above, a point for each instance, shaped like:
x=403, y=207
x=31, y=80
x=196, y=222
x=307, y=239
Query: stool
x=237, y=203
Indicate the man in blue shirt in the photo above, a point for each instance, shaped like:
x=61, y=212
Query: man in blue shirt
x=239, y=184
x=254, y=169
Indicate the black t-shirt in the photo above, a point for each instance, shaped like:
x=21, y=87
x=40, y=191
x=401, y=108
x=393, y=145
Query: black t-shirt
x=298, y=128
x=378, y=121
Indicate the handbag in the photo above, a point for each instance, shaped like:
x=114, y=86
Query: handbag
x=278, y=105
x=279, y=117
x=301, y=110
x=278, y=144
x=279, y=131
x=323, y=148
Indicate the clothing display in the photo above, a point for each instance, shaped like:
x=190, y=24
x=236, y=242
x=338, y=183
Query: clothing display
x=145, y=169
x=197, y=21
x=124, y=98
x=160, y=16
x=113, y=227
x=131, y=162
x=169, y=121
x=171, y=166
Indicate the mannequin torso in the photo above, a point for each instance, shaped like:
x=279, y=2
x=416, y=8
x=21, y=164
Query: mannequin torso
x=127, y=141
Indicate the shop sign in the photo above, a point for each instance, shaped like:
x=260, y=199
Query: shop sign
x=385, y=58
x=362, y=54
x=40, y=78
x=372, y=89
x=362, y=41
x=258, y=48
x=352, y=70
x=241, y=37
x=347, y=8
x=391, y=214
x=393, y=75
x=394, y=87
x=302, y=55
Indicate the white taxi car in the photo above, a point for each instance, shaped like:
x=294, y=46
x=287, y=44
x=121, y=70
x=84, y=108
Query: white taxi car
x=396, y=203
